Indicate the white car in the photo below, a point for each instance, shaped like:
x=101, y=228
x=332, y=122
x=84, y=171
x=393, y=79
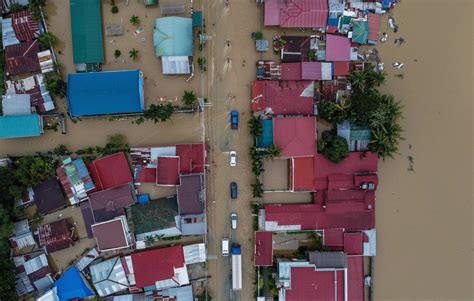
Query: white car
x=225, y=247
x=233, y=158
x=233, y=220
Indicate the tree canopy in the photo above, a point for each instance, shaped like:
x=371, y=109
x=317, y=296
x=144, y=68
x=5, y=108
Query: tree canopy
x=333, y=147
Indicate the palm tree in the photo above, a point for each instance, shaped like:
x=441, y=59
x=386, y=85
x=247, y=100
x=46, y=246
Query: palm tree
x=133, y=54
x=273, y=151
x=357, y=80
x=257, y=189
x=189, y=98
x=135, y=20
x=256, y=128
x=149, y=240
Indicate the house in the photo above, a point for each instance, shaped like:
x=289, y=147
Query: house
x=33, y=270
x=22, y=58
x=300, y=48
x=22, y=235
x=296, y=13
x=48, y=196
x=374, y=25
x=307, y=71
x=75, y=180
x=356, y=135
x=173, y=40
x=263, y=254
x=20, y=27
x=326, y=276
x=87, y=41
x=35, y=87
x=72, y=285
x=191, y=197
x=113, y=234
x=295, y=136
x=172, y=7
x=110, y=203
x=16, y=104
x=146, y=168
x=20, y=126
x=108, y=277
x=195, y=253
x=55, y=236
x=360, y=243
x=87, y=259
x=338, y=48
x=110, y=171
x=283, y=97
x=169, y=271
x=105, y=93
x=155, y=218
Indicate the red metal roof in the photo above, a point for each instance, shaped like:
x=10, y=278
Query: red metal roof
x=304, y=13
x=22, y=58
x=338, y=48
x=110, y=235
x=374, y=25
x=295, y=136
x=353, y=243
x=291, y=71
x=156, y=265
x=341, y=68
x=55, y=236
x=307, y=283
x=301, y=177
x=167, y=171
x=192, y=157
x=110, y=171
x=25, y=26
x=147, y=175
x=272, y=12
x=355, y=277
x=283, y=97
x=263, y=248
x=311, y=71
x=334, y=237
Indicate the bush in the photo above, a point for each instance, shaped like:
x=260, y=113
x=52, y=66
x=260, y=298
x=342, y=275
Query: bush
x=61, y=150
x=114, y=9
x=256, y=128
x=16, y=7
x=33, y=170
x=257, y=35
x=330, y=111
x=117, y=53
x=333, y=147
x=202, y=64
x=48, y=40
x=157, y=113
x=257, y=189
x=57, y=86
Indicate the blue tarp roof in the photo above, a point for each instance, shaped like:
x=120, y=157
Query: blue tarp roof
x=173, y=36
x=17, y=126
x=71, y=285
x=105, y=93
x=266, y=139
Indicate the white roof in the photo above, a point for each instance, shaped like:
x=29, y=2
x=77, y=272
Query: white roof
x=370, y=247
x=21, y=227
x=16, y=104
x=87, y=259
x=194, y=253
x=35, y=264
x=175, y=65
x=49, y=296
x=109, y=277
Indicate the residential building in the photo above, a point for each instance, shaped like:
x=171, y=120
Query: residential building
x=263, y=253
x=20, y=126
x=110, y=171
x=16, y=104
x=295, y=136
x=35, y=87
x=113, y=234
x=48, y=196
x=75, y=179
x=33, y=273
x=55, y=236
x=22, y=235
x=22, y=58
x=108, y=277
x=110, y=203
x=296, y=13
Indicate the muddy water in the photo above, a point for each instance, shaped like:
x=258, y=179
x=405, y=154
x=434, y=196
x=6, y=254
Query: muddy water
x=424, y=216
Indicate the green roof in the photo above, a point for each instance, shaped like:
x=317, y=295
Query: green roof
x=86, y=27
x=173, y=36
x=18, y=126
x=359, y=132
x=360, y=32
x=154, y=215
x=197, y=18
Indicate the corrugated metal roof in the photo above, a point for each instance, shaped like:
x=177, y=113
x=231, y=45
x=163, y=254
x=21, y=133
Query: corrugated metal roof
x=16, y=104
x=175, y=65
x=34, y=86
x=109, y=277
x=194, y=253
x=324, y=260
x=360, y=31
x=86, y=27
x=22, y=58
x=295, y=136
x=18, y=126
x=8, y=34
x=304, y=13
x=25, y=26
x=173, y=36
x=190, y=198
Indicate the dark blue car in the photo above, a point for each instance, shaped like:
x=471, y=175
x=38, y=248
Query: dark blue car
x=233, y=190
x=234, y=120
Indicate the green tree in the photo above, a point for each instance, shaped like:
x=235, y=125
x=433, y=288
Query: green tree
x=366, y=79
x=333, y=147
x=311, y=54
x=9, y=188
x=202, y=62
x=189, y=98
x=157, y=113
x=116, y=143
x=114, y=9
x=57, y=86
x=331, y=111
x=48, y=40
x=133, y=54
x=135, y=20
x=257, y=35
x=16, y=7
x=61, y=150
x=32, y=170
x=385, y=139
x=257, y=189
x=256, y=128
x=273, y=151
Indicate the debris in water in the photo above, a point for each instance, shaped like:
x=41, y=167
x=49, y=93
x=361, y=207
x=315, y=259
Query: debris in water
x=398, y=65
x=399, y=41
x=384, y=37
x=411, y=164
x=400, y=76
x=392, y=24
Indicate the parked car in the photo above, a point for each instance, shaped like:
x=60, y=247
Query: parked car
x=225, y=247
x=233, y=220
x=233, y=190
x=234, y=120
x=233, y=158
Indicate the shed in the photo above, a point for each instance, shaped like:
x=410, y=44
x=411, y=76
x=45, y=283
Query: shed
x=175, y=65
x=105, y=93
x=261, y=45
x=86, y=30
x=16, y=104
x=173, y=36
x=20, y=126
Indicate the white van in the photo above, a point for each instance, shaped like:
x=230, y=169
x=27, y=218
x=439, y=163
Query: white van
x=225, y=247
